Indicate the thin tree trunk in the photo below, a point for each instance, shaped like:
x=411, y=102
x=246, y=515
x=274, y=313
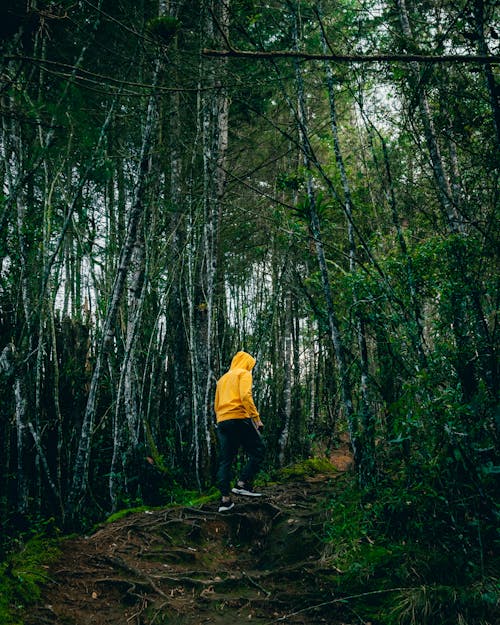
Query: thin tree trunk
x=12, y=369
x=215, y=131
x=415, y=317
x=21, y=444
x=192, y=343
x=287, y=389
x=335, y=335
x=137, y=294
x=126, y=432
x=299, y=432
x=57, y=408
x=188, y=275
x=82, y=460
x=367, y=456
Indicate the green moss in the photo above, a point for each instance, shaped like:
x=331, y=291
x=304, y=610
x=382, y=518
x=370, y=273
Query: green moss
x=306, y=468
x=22, y=575
x=116, y=516
x=201, y=499
x=179, y=497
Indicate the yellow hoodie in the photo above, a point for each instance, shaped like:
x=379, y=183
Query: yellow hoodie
x=233, y=396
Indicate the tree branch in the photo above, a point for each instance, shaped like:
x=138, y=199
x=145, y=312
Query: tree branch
x=354, y=58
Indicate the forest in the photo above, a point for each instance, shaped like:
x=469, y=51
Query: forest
x=313, y=182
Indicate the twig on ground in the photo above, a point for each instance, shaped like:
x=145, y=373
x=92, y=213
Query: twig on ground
x=332, y=601
x=254, y=583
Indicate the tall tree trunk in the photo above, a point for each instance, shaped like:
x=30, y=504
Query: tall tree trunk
x=126, y=431
x=137, y=294
x=193, y=344
x=82, y=460
x=366, y=460
x=215, y=143
x=299, y=432
x=335, y=335
x=414, y=316
x=59, y=417
x=22, y=472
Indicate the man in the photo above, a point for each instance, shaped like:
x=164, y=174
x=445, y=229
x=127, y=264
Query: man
x=238, y=425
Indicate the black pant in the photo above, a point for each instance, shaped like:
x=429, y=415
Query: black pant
x=233, y=434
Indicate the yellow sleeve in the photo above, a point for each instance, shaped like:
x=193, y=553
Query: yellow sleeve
x=216, y=401
x=246, y=394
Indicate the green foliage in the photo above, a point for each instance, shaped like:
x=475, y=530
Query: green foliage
x=411, y=556
x=22, y=574
x=121, y=514
x=292, y=181
x=164, y=28
x=101, y=172
x=434, y=433
x=475, y=603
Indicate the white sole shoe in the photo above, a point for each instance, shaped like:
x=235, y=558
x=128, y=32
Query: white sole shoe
x=224, y=507
x=244, y=491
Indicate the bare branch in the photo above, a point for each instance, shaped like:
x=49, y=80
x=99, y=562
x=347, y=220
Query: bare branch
x=354, y=58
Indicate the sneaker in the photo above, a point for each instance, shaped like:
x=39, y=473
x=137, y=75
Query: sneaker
x=241, y=489
x=224, y=506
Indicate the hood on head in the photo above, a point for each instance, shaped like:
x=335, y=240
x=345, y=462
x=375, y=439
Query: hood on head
x=242, y=360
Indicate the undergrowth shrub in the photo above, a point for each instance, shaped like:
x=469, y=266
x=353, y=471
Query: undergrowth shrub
x=21, y=575
x=414, y=552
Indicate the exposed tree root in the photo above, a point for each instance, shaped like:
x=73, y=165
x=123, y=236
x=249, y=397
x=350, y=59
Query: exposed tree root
x=263, y=562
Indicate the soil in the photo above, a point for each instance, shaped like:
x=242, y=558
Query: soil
x=262, y=562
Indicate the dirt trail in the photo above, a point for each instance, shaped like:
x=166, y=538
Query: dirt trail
x=259, y=563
